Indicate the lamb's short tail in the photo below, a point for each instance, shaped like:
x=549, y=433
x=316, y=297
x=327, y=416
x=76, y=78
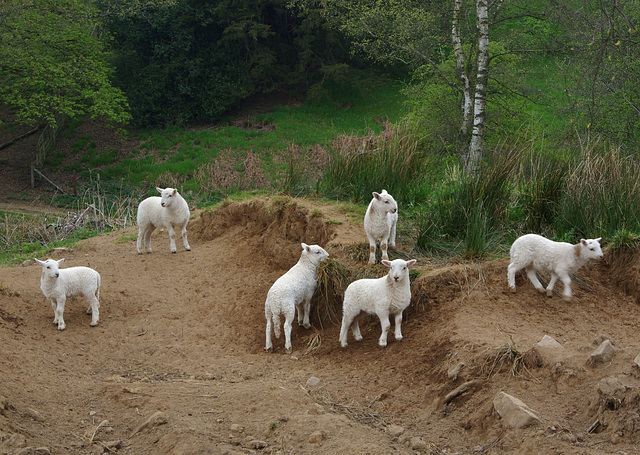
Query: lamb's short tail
x=98, y=288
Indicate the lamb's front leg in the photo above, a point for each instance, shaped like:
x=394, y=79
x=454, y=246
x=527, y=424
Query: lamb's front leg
x=55, y=313
x=385, y=324
x=372, y=250
x=398, y=332
x=60, y=312
x=172, y=239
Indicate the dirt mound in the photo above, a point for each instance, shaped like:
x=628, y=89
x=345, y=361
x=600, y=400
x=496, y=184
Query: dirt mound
x=176, y=365
x=271, y=226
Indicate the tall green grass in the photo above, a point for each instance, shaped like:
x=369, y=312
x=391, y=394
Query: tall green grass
x=393, y=160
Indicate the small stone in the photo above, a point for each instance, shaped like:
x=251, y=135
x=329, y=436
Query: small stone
x=603, y=354
x=257, y=444
x=312, y=382
x=317, y=436
x=237, y=428
x=27, y=263
x=35, y=415
x=417, y=443
x=607, y=387
x=395, y=431
x=455, y=371
x=513, y=411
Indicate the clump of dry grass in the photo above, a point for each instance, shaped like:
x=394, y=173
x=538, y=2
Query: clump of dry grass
x=225, y=175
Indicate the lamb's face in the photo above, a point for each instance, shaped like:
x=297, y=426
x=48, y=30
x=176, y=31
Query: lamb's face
x=167, y=196
x=591, y=248
x=50, y=267
x=399, y=269
x=385, y=202
x=315, y=253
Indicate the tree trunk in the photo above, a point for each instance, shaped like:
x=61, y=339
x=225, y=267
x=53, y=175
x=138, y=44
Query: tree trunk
x=461, y=72
x=474, y=156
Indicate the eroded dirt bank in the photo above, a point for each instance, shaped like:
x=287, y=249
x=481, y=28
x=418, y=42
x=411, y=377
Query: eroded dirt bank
x=181, y=337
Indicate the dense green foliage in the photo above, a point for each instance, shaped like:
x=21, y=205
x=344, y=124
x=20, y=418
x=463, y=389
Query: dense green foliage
x=193, y=61
x=52, y=60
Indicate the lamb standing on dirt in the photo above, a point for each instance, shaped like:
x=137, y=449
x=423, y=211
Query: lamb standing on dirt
x=293, y=290
x=380, y=224
x=57, y=284
x=170, y=211
x=385, y=296
x=533, y=253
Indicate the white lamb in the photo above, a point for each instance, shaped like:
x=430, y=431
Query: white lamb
x=385, y=296
x=536, y=253
x=57, y=284
x=170, y=211
x=380, y=224
x=293, y=290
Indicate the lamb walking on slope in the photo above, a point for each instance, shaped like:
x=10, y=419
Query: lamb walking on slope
x=293, y=290
x=380, y=224
x=57, y=284
x=169, y=211
x=385, y=296
x=533, y=253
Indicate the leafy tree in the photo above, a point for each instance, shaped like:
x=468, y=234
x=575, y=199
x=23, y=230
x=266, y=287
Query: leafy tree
x=602, y=67
x=53, y=59
x=454, y=41
x=195, y=60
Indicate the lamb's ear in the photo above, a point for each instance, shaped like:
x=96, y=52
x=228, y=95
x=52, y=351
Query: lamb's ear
x=598, y=239
x=385, y=262
x=411, y=262
x=174, y=191
x=60, y=261
x=583, y=241
x=376, y=195
x=38, y=261
x=305, y=246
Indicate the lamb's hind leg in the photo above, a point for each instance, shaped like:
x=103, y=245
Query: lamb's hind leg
x=304, y=309
x=94, y=308
x=531, y=273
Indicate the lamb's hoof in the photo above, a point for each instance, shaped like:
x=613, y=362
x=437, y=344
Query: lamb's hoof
x=358, y=339
x=513, y=290
x=399, y=340
x=288, y=350
x=549, y=294
x=188, y=249
x=383, y=346
x=269, y=350
x=567, y=299
x=174, y=252
x=61, y=327
x=140, y=253
x=93, y=324
x=306, y=326
x=343, y=345
x=541, y=291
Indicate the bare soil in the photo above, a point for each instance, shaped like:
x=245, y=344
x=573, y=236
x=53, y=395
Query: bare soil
x=177, y=366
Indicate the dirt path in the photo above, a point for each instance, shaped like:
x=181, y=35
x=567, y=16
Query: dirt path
x=180, y=347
